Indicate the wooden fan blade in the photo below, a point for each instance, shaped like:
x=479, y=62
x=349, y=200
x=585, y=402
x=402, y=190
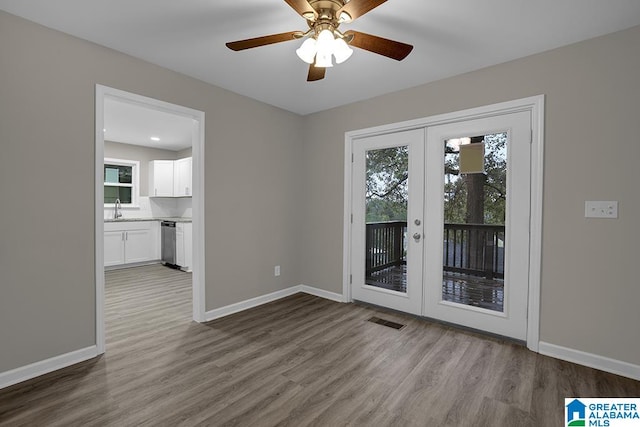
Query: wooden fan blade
x=262, y=41
x=315, y=73
x=357, y=8
x=381, y=46
x=303, y=8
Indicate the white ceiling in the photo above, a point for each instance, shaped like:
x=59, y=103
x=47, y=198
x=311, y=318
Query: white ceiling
x=134, y=124
x=450, y=37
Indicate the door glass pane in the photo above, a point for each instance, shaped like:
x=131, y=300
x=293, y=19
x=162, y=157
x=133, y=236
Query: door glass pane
x=475, y=192
x=387, y=190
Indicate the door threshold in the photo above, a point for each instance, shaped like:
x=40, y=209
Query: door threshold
x=443, y=323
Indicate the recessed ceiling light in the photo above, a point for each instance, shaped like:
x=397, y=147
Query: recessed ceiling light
x=155, y=138
x=104, y=130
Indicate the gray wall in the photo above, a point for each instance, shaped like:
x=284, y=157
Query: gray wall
x=590, y=286
x=47, y=97
x=266, y=186
x=144, y=155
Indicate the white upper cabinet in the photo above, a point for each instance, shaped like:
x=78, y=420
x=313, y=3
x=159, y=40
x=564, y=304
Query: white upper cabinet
x=182, y=180
x=161, y=178
x=170, y=178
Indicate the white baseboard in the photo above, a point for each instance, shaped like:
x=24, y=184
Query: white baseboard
x=263, y=299
x=322, y=293
x=42, y=367
x=602, y=363
x=250, y=303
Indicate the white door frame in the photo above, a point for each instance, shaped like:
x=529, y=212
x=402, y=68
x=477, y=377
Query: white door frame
x=197, y=199
x=535, y=105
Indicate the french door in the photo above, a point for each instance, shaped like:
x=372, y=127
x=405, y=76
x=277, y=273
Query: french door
x=440, y=223
x=388, y=189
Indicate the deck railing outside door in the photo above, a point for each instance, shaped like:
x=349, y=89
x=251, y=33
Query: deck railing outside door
x=474, y=249
x=385, y=245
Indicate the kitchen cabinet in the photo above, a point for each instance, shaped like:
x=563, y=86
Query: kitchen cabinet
x=113, y=248
x=182, y=180
x=161, y=178
x=171, y=178
x=131, y=242
x=184, y=246
x=138, y=246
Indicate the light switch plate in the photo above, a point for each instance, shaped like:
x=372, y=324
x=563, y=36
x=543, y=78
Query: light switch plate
x=601, y=209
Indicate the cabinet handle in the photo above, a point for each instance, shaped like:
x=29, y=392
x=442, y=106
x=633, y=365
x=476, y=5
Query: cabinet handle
x=122, y=235
x=186, y=190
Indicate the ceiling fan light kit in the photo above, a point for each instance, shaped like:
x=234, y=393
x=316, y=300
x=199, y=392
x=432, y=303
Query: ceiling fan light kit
x=325, y=42
x=323, y=48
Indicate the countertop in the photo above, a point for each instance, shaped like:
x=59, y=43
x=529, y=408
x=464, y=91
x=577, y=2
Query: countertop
x=175, y=219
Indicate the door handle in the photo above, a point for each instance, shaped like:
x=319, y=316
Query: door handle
x=417, y=236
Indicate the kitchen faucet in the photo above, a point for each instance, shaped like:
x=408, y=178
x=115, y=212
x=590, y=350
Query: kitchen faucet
x=117, y=207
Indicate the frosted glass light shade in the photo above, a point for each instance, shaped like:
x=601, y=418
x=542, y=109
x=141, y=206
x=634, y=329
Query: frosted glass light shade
x=307, y=51
x=325, y=41
x=323, y=60
x=344, y=18
x=341, y=51
x=325, y=47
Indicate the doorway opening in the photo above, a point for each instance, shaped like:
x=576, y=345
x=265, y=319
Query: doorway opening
x=443, y=217
x=137, y=138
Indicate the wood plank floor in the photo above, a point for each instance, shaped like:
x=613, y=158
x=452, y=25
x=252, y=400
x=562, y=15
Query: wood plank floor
x=298, y=361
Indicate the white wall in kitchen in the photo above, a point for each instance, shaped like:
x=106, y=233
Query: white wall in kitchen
x=154, y=207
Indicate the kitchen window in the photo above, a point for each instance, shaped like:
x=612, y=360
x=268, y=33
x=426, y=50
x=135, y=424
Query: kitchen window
x=121, y=178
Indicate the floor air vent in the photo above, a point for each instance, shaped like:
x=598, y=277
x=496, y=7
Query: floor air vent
x=388, y=323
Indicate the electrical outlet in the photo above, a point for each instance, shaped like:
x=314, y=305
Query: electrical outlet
x=601, y=209
x=276, y=270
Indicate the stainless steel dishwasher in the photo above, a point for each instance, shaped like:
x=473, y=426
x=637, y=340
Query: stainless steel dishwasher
x=168, y=236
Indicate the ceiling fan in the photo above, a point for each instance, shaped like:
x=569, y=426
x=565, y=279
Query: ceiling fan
x=324, y=42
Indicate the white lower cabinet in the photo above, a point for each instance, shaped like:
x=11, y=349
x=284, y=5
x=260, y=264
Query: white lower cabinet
x=184, y=245
x=180, y=245
x=131, y=242
x=138, y=246
x=113, y=248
